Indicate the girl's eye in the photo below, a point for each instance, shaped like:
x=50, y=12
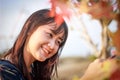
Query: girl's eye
x=50, y=35
x=58, y=42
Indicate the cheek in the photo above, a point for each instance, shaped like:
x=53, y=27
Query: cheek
x=56, y=49
x=33, y=43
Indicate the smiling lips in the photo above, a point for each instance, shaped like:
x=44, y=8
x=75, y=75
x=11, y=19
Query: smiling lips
x=46, y=52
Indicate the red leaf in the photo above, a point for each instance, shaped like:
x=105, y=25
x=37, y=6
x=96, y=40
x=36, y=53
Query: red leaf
x=115, y=75
x=58, y=19
x=64, y=11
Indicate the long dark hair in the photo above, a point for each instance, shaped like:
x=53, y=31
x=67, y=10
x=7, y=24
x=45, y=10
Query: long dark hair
x=40, y=70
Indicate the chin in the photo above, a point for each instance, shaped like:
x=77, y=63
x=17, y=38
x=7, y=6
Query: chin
x=41, y=60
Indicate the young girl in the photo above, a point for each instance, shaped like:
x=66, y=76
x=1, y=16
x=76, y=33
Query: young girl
x=35, y=52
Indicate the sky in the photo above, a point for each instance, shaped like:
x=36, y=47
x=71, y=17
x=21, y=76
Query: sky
x=13, y=14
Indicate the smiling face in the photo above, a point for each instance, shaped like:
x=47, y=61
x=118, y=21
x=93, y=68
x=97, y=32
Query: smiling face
x=44, y=42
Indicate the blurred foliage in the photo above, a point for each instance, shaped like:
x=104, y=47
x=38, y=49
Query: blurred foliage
x=103, y=10
x=97, y=8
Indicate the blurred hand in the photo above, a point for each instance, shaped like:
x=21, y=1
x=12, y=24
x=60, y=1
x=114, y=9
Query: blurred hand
x=99, y=69
x=93, y=71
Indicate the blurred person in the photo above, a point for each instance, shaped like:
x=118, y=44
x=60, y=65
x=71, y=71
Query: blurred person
x=36, y=50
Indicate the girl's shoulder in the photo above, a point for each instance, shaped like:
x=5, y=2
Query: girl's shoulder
x=8, y=71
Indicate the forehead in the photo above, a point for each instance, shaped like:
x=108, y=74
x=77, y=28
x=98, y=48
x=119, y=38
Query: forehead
x=56, y=29
x=53, y=26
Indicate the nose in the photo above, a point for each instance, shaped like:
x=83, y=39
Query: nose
x=51, y=44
